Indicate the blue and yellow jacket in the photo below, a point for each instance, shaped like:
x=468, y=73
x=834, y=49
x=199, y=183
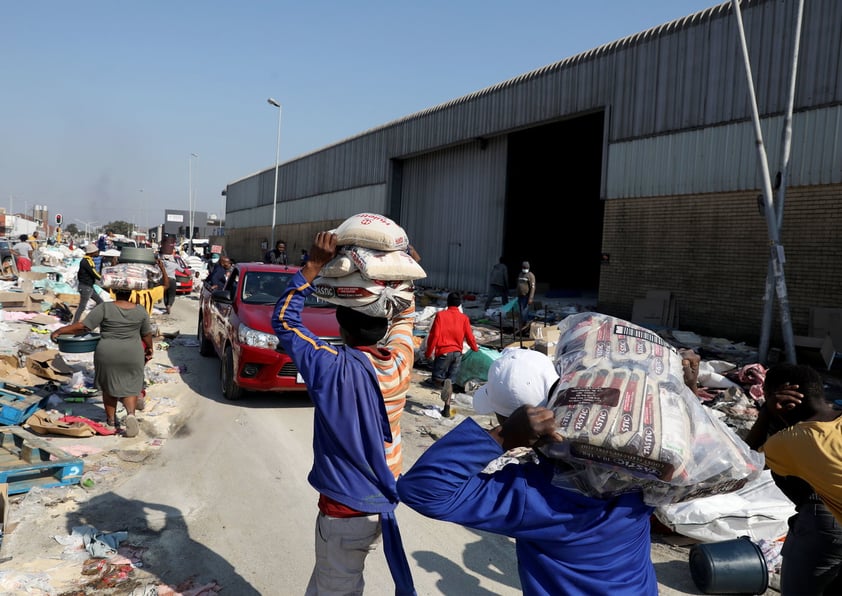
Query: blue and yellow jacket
x=350, y=424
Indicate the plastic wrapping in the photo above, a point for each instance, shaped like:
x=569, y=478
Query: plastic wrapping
x=630, y=423
x=131, y=276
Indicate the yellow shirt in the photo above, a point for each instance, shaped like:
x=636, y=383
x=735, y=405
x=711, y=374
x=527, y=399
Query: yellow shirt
x=811, y=451
x=146, y=298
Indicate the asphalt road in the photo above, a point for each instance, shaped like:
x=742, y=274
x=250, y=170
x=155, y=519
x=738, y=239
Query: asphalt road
x=225, y=499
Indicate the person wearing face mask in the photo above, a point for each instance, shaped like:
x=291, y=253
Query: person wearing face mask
x=525, y=292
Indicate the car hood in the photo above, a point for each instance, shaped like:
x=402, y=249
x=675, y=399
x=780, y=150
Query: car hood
x=319, y=320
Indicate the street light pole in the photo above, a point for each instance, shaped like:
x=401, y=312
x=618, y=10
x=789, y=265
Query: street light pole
x=277, y=163
x=88, y=225
x=190, y=200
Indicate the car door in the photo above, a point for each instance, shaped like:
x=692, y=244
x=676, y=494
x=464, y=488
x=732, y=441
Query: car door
x=222, y=312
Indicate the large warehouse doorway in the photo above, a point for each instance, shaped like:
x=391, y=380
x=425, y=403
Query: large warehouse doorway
x=553, y=210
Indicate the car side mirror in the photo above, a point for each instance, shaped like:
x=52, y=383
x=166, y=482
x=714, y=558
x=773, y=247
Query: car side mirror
x=223, y=296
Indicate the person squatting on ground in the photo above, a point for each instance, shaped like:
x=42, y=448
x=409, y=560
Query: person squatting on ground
x=801, y=434
x=566, y=542
x=359, y=393
x=86, y=278
x=498, y=284
x=451, y=328
x=124, y=348
x=525, y=293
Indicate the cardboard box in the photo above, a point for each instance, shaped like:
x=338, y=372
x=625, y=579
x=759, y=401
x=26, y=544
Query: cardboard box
x=658, y=309
x=649, y=312
x=544, y=333
x=48, y=364
x=69, y=299
x=12, y=299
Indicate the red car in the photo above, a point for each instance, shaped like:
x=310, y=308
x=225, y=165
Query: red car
x=235, y=324
x=183, y=277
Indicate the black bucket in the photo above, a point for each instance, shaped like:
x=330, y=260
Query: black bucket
x=730, y=567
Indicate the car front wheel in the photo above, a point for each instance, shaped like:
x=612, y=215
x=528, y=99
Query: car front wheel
x=205, y=345
x=227, y=375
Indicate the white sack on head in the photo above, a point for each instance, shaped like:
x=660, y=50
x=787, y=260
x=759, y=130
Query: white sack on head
x=394, y=265
x=339, y=266
x=630, y=423
x=393, y=300
x=349, y=290
x=372, y=231
x=372, y=297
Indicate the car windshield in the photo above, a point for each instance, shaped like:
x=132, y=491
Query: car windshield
x=265, y=287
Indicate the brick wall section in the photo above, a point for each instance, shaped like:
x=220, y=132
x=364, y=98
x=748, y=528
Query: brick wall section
x=711, y=251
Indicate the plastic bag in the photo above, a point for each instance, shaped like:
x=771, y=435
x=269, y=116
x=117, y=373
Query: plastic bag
x=475, y=365
x=630, y=423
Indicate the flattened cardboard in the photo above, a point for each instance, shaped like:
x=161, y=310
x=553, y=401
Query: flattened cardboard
x=69, y=299
x=41, y=319
x=12, y=298
x=40, y=424
x=48, y=364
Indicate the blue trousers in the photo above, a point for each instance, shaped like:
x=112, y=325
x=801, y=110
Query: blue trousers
x=446, y=366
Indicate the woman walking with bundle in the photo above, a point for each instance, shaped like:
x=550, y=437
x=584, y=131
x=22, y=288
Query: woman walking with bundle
x=125, y=346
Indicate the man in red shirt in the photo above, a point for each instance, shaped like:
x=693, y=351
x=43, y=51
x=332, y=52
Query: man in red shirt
x=451, y=328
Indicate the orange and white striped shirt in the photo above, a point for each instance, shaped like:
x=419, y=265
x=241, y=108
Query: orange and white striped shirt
x=394, y=371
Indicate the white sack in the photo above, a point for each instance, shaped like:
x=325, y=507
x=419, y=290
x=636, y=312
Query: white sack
x=372, y=231
x=394, y=265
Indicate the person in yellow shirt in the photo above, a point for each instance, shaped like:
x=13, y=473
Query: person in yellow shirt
x=800, y=432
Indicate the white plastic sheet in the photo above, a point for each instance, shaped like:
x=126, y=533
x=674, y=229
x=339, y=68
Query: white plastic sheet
x=759, y=510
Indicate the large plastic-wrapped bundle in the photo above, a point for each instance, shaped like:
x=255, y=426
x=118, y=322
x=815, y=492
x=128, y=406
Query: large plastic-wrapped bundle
x=131, y=276
x=372, y=272
x=630, y=423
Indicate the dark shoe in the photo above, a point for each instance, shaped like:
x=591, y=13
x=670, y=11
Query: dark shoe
x=445, y=411
x=429, y=384
x=132, y=426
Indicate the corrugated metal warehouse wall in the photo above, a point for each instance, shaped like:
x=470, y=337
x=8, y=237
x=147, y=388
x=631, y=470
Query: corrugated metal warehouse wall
x=679, y=131
x=454, y=201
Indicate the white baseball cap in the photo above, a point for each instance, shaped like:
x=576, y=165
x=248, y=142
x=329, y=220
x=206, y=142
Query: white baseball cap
x=518, y=377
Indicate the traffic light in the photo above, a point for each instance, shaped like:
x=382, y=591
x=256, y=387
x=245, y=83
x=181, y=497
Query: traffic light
x=58, y=219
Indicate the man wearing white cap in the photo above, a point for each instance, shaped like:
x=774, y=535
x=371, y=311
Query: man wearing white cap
x=566, y=542
x=85, y=280
x=517, y=378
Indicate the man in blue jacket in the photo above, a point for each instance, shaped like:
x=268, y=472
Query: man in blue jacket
x=358, y=391
x=566, y=543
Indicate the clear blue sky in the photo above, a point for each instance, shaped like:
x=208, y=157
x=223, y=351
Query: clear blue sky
x=102, y=98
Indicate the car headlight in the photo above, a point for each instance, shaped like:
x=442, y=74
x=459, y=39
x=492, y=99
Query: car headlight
x=252, y=337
